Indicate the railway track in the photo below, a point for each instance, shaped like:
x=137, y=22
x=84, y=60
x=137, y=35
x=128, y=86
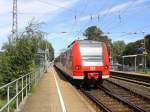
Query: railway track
x=139, y=89
x=135, y=99
x=132, y=81
x=111, y=97
x=106, y=102
x=111, y=102
x=139, y=78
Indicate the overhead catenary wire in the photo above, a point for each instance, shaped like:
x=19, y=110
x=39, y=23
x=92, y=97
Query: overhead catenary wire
x=52, y=4
x=88, y=23
x=120, y=13
x=91, y=17
x=73, y=11
x=82, y=12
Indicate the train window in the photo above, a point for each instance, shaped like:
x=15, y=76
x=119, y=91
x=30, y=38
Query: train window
x=92, y=55
x=69, y=61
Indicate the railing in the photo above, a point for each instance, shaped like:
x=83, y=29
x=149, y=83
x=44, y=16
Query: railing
x=17, y=90
x=128, y=68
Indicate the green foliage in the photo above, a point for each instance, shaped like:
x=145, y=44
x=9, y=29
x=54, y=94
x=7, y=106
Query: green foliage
x=4, y=70
x=19, y=56
x=132, y=47
x=148, y=60
x=147, y=43
x=2, y=102
x=118, y=48
x=94, y=33
x=45, y=44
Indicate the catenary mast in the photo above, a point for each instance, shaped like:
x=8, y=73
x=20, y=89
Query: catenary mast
x=14, y=21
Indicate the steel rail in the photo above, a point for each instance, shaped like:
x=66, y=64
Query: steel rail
x=97, y=101
x=134, y=107
x=128, y=89
x=133, y=76
x=133, y=81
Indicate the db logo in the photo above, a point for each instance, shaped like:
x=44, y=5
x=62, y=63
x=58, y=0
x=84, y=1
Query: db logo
x=92, y=68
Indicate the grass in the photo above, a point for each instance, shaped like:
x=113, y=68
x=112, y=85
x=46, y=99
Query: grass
x=147, y=72
x=2, y=102
x=12, y=105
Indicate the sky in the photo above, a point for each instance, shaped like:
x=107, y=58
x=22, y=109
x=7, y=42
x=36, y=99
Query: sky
x=66, y=20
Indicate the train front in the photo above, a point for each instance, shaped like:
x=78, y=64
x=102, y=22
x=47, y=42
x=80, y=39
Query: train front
x=94, y=62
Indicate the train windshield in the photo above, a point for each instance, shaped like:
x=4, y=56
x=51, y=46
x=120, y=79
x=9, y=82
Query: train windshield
x=92, y=55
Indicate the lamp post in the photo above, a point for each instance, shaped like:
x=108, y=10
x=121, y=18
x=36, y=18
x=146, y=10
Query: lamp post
x=145, y=64
x=144, y=53
x=110, y=47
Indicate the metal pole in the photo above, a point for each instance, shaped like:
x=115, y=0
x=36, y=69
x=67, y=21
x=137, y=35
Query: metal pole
x=22, y=88
x=17, y=94
x=29, y=82
x=144, y=51
x=8, y=98
x=145, y=61
x=135, y=63
x=26, y=86
x=123, y=64
x=35, y=78
x=15, y=20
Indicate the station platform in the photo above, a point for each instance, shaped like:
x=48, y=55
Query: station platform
x=132, y=73
x=54, y=94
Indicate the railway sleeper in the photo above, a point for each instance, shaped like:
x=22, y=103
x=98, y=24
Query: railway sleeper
x=125, y=101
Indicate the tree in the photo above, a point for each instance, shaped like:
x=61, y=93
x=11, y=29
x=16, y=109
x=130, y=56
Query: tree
x=118, y=48
x=137, y=48
x=132, y=48
x=5, y=76
x=147, y=43
x=19, y=55
x=94, y=33
x=148, y=60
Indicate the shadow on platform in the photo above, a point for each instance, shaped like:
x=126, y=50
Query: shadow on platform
x=61, y=75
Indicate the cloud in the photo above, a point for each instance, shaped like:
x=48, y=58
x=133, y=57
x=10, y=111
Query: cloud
x=5, y=6
x=41, y=10
x=41, y=6
x=115, y=9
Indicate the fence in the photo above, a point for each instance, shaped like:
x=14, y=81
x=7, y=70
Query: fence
x=127, y=68
x=17, y=90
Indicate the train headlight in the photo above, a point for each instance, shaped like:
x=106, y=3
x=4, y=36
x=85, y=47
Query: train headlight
x=78, y=67
x=106, y=67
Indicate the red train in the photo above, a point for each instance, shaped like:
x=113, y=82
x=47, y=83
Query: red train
x=85, y=61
